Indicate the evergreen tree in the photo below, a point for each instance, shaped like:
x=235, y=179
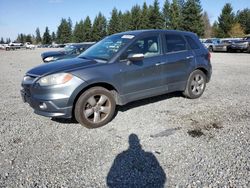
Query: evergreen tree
x=135, y=17
x=226, y=20
x=125, y=21
x=156, y=20
x=215, y=29
x=114, y=22
x=166, y=14
x=46, y=36
x=21, y=38
x=87, y=30
x=53, y=36
x=144, y=24
x=192, y=17
x=120, y=26
x=243, y=17
x=207, y=25
x=38, y=36
x=175, y=15
x=99, y=27
x=28, y=38
x=2, y=40
x=78, y=35
x=64, y=31
x=8, y=40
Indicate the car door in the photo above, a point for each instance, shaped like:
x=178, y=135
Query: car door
x=178, y=61
x=142, y=78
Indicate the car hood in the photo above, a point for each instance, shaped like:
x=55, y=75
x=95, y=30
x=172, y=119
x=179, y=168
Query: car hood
x=65, y=65
x=52, y=54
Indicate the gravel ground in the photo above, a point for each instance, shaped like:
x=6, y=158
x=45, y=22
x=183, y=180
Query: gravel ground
x=165, y=141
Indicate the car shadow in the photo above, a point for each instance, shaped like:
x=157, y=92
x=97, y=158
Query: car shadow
x=147, y=101
x=126, y=107
x=135, y=168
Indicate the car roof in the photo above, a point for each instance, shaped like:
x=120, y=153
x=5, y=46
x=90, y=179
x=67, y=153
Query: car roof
x=139, y=32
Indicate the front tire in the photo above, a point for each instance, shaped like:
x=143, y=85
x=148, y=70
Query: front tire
x=95, y=107
x=196, y=84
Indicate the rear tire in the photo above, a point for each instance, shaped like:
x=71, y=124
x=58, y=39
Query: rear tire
x=196, y=84
x=95, y=107
x=210, y=49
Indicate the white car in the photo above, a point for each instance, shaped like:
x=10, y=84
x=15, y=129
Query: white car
x=29, y=46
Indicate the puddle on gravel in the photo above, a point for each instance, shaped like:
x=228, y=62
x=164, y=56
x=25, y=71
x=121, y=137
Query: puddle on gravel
x=166, y=133
x=195, y=133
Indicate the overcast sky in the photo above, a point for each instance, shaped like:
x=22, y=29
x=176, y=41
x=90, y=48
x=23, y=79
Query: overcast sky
x=24, y=16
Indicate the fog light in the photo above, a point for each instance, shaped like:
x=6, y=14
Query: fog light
x=42, y=106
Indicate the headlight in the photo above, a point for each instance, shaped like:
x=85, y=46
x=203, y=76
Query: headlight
x=48, y=59
x=55, y=79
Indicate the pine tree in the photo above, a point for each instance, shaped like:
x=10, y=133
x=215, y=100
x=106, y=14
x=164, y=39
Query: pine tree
x=215, y=29
x=207, y=25
x=175, y=15
x=144, y=24
x=8, y=40
x=226, y=20
x=87, y=30
x=53, y=36
x=114, y=22
x=78, y=35
x=135, y=17
x=38, y=36
x=64, y=31
x=156, y=20
x=28, y=38
x=166, y=14
x=192, y=17
x=99, y=27
x=125, y=21
x=243, y=17
x=2, y=40
x=46, y=36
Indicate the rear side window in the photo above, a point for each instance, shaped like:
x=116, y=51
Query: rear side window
x=192, y=43
x=175, y=43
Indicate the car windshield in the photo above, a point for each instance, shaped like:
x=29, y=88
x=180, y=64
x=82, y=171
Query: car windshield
x=107, y=48
x=69, y=48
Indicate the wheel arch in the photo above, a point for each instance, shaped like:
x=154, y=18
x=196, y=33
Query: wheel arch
x=105, y=85
x=205, y=71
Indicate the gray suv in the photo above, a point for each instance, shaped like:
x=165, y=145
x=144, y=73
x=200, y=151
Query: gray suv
x=119, y=69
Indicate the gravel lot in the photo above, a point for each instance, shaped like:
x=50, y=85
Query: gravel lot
x=163, y=141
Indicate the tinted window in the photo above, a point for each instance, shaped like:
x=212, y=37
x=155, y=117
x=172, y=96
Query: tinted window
x=175, y=43
x=192, y=43
x=148, y=46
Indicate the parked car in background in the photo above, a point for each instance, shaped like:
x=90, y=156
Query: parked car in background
x=30, y=46
x=70, y=51
x=240, y=46
x=210, y=43
x=224, y=46
x=119, y=69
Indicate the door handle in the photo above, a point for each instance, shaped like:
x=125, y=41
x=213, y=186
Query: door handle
x=190, y=57
x=160, y=63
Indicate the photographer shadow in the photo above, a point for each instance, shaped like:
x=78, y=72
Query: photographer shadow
x=136, y=168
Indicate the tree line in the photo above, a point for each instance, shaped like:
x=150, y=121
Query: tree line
x=185, y=15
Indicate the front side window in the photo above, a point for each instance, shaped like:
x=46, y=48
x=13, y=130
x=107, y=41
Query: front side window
x=148, y=46
x=175, y=43
x=107, y=48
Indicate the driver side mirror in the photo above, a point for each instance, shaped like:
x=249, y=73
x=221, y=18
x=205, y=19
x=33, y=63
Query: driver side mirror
x=135, y=57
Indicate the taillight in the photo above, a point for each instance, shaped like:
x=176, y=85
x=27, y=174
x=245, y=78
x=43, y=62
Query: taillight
x=209, y=56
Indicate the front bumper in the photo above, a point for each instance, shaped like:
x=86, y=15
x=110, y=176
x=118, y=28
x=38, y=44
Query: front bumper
x=47, y=108
x=52, y=101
